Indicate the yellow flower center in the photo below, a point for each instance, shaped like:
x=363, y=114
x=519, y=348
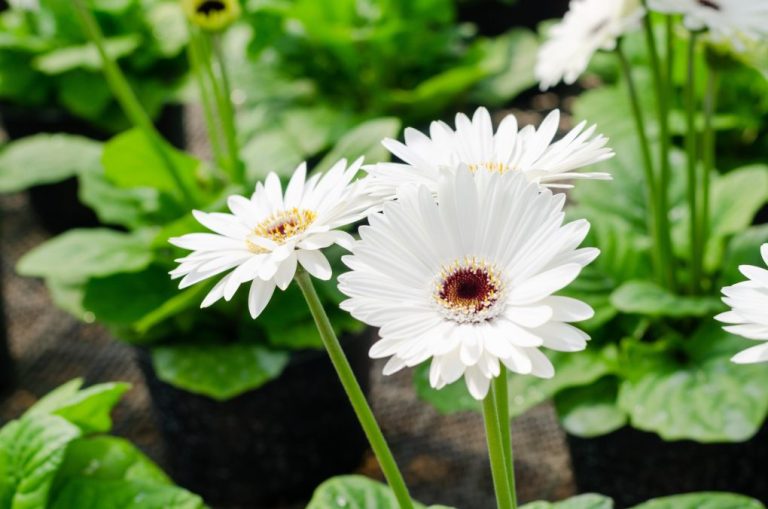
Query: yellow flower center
x=468, y=290
x=491, y=166
x=281, y=226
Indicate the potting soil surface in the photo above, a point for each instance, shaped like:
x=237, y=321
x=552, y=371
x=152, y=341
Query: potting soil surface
x=443, y=456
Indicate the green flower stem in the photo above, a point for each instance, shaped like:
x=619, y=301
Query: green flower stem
x=691, y=145
x=354, y=392
x=127, y=99
x=662, y=196
x=501, y=392
x=197, y=58
x=496, y=453
x=654, y=221
x=228, y=111
x=708, y=150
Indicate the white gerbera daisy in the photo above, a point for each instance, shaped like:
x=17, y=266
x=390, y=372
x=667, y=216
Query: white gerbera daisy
x=468, y=281
x=588, y=26
x=749, y=314
x=266, y=236
x=733, y=21
x=529, y=151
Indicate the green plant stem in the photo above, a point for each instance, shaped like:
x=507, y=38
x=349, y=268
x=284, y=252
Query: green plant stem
x=127, y=98
x=654, y=221
x=354, y=392
x=226, y=109
x=708, y=150
x=501, y=391
x=496, y=453
x=662, y=196
x=214, y=135
x=692, y=151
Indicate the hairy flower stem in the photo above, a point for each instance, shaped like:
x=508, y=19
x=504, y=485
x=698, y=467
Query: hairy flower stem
x=354, y=392
x=501, y=392
x=127, y=98
x=708, y=151
x=662, y=196
x=691, y=145
x=205, y=89
x=501, y=486
x=654, y=220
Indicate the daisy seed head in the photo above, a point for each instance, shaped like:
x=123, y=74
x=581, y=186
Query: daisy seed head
x=468, y=290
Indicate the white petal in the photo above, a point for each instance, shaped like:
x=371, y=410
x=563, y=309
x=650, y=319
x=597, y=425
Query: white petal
x=259, y=296
x=316, y=264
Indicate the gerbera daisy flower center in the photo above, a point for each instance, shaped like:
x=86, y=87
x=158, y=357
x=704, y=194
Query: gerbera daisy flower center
x=281, y=226
x=208, y=7
x=710, y=3
x=468, y=291
x=493, y=166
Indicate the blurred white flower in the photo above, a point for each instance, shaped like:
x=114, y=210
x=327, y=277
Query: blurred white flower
x=529, y=151
x=25, y=5
x=467, y=281
x=266, y=236
x=731, y=21
x=749, y=310
x=588, y=26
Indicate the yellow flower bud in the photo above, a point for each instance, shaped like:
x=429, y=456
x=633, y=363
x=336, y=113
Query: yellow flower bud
x=212, y=15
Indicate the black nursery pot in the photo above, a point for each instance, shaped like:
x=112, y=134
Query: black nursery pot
x=270, y=446
x=57, y=205
x=494, y=17
x=633, y=466
x=6, y=361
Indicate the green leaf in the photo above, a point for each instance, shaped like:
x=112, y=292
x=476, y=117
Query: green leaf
x=97, y=494
x=743, y=249
x=69, y=297
x=46, y=158
x=586, y=501
x=697, y=393
x=511, y=58
x=169, y=27
x=31, y=451
x=590, y=410
x=86, y=253
x=704, y=500
x=84, y=93
x=736, y=198
x=219, y=371
x=131, y=160
x=85, y=56
x=648, y=299
x=89, y=409
x=525, y=391
x=356, y=492
x=107, y=458
x=364, y=140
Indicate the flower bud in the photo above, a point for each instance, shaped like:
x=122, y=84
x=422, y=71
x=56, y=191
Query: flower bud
x=212, y=15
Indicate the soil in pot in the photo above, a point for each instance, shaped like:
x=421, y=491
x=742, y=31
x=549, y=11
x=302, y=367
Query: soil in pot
x=268, y=447
x=632, y=466
x=6, y=361
x=57, y=205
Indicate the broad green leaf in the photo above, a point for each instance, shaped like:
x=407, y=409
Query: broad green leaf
x=700, y=395
x=69, y=297
x=86, y=56
x=647, y=298
x=107, y=458
x=743, y=249
x=356, y=492
x=89, y=409
x=168, y=25
x=511, y=58
x=86, y=253
x=46, y=158
x=112, y=299
x=31, y=451
x=590, y=410
x=99, y=494
x=132, y=160
x=220, y=371
x=704, y=500
x=364, y=140
x=525, y=391
x=586, y=501
x=85, y=93
x=437, y=92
